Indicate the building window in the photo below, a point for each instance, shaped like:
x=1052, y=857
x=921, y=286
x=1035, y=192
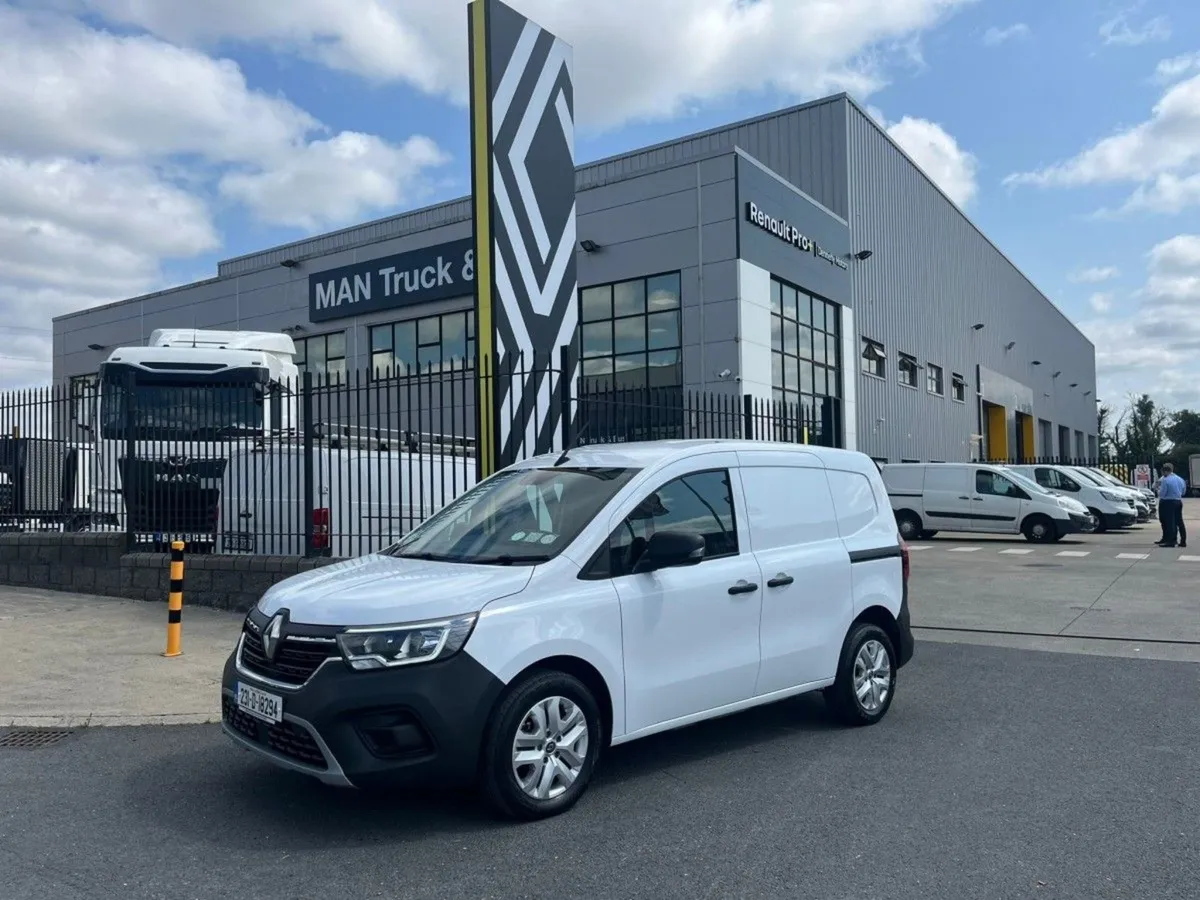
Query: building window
x=630, y=335
x=958, y=388
x=934, y=380
x=805, y=359
x=874, y=359
x=419, y=346
x=322, y=354
x=908, y=370
x=83, y=394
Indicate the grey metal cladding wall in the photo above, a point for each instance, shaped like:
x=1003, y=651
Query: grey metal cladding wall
x=932, y=276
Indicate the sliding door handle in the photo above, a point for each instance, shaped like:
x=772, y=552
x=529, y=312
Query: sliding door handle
x=964, y=497
x=781, y=580
x=744, y=587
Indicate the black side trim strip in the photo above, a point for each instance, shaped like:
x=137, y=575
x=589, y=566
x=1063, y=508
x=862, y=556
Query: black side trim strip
x=974, y=517
x=905, y=494
x=857, y=556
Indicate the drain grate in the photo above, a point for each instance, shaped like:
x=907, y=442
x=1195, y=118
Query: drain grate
x=33, y=738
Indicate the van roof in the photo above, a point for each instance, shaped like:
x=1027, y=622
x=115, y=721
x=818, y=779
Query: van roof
x=643, y=454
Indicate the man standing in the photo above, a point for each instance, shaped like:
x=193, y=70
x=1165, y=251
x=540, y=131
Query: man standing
x=1171, y=489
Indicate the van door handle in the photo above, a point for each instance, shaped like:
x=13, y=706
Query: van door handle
x=964, y=497
x=781, y=580
x=744, y=587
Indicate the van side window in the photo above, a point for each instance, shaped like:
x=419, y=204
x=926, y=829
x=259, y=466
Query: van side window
x=994, y=484
x=700, y=503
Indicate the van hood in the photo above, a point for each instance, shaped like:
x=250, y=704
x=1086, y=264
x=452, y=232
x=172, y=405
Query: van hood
x=385, y=590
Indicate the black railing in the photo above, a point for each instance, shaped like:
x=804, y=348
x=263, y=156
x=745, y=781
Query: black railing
x=335, y=466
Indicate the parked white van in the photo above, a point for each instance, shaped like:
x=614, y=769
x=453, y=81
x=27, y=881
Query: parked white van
x=932, y=497
x=1131, y=495
x=571, y=603
x=1111, y=508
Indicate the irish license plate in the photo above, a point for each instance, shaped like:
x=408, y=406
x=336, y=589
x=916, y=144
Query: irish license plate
x=260, y=704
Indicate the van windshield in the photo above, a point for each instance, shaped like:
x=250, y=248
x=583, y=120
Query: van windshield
x=1028, y=483
x=516, y=517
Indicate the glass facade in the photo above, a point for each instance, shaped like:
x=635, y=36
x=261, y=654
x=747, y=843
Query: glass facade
x=429, y=344
x=806, y=350
x=322, y=354
x=630, y=336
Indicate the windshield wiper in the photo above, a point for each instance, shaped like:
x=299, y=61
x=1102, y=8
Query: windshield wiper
x=428, y=557
x=506, y=559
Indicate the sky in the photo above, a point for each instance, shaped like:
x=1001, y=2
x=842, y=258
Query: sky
x=141, y=141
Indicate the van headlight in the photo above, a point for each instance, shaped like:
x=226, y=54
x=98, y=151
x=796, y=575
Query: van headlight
x=1111, y=497
x=389, y=646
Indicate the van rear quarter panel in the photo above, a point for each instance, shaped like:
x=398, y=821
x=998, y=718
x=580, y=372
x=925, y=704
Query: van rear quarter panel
x=866, y=523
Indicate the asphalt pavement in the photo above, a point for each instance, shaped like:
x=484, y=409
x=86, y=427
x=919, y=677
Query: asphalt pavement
x=998, y=773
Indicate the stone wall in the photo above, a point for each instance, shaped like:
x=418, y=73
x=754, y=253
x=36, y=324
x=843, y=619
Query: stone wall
x=97, y=564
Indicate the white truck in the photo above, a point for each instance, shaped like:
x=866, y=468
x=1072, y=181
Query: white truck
x=199, y=437
x=1194, y=474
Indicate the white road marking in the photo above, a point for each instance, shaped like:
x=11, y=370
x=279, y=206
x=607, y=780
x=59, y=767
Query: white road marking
x=1133, y=556
x=1017, y=551
x=963, y=549
x=1186, y=558
x=1073, y=553
x=918, y=547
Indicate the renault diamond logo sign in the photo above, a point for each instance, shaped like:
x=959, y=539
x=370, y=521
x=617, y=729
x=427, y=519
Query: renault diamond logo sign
x=273, y=634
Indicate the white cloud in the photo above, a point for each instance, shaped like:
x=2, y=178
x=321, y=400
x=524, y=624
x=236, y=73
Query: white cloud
x=1101, y=302
x=1094, y=274
x=332, y=181
x=111, y=145
x=1171, y=70
x=680, y=50
x=995, y=36
x=1160, y=155
x=1118, y=29
x=953, y=169
x=1156, y=350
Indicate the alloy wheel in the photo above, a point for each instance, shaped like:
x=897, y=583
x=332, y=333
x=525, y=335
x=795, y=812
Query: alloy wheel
x=550, y=748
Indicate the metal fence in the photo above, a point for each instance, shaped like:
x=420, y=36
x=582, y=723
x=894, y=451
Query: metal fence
x=1123, y=470
x=318, y=466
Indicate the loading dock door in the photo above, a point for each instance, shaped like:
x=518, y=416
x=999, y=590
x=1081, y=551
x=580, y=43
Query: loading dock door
x=995, y=421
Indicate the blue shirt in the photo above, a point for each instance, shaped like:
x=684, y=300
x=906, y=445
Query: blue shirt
x=1171, y=488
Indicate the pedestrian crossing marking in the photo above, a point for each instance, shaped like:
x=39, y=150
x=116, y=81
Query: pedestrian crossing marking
x=1186, y=558
x=1133, y=556
x=963, y=549
x=1017, y=551
x=919, y=547
x=1074, y=553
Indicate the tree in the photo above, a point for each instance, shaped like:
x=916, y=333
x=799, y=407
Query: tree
x=1143, y=431
x=1184, y=429
x=1106, y=432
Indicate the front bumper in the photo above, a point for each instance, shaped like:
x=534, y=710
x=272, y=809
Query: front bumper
x=414, y=725
x=1119, y=520
x=1076, y=523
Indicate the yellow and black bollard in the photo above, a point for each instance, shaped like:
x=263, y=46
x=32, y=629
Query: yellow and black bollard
x=175, y=603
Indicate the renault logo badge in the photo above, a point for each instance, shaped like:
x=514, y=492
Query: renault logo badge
x=272, y=635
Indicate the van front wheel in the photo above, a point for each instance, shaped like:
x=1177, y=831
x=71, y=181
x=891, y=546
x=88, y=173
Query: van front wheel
x=1099, y=517
x=1040, y=530
x=909, y=525
x=541, y=746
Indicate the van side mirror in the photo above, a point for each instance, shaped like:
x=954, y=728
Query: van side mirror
x=670, y=549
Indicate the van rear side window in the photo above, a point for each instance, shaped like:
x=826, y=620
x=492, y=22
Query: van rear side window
x=853, y=500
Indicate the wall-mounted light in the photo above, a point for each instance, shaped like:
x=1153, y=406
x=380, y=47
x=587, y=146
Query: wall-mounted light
x=289, y=263
x=95, y=346
x=977, y=326
x=588, y=246
x=864, y=255
x=1074, y=384
x=1056, y=374
x=1036, y=362
x=1087, y=393
x=1010, y=345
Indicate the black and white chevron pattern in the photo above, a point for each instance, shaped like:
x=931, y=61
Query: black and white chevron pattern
x=535, y=311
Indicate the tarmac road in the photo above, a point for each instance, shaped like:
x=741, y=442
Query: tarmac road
x=999, y=773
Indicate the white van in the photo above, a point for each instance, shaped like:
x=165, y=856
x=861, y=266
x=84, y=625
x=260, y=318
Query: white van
x=571, y=603
x=1131, y=495
x=933, y=497
x=1109, y=507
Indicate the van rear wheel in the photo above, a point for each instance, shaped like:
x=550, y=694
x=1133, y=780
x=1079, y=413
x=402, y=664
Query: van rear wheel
x=909, y=525
x=866, y=677
x=1040, y=530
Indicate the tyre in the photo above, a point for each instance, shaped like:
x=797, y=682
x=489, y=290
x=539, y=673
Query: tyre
x=541, y=746
x=926, y=535
x=1100, y=526
x=909, y=524
x=1040, y=530
x=866, y=678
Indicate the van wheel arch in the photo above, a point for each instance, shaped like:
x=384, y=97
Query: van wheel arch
x=876, y=615
x=577, y=668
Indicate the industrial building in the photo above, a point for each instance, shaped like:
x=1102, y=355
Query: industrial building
x=799, y=256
